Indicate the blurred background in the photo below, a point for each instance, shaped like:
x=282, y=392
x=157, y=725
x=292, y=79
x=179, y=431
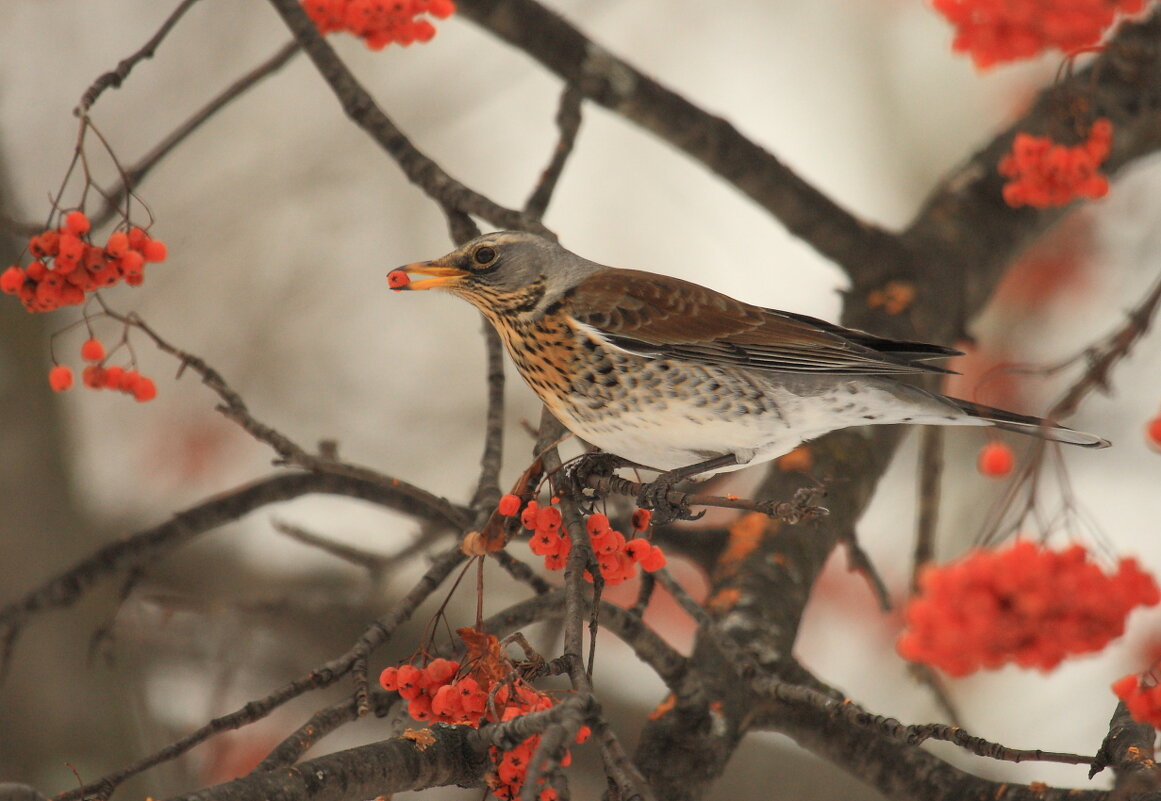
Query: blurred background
x=282, y=219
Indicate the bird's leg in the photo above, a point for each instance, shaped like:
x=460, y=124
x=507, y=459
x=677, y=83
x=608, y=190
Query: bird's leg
x=595, y=463
x=655, y=494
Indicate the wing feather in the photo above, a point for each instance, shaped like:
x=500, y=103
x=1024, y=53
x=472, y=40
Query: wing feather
x=662, y=317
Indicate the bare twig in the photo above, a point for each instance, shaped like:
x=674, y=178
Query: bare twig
x=568, y=121
x=487, y=493
x=910, y=734
x=114, y=77
x=930, y=477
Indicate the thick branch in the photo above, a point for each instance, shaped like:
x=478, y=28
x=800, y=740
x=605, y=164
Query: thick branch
x=455, y=755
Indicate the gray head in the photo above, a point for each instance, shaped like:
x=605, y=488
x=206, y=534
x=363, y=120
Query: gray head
x=505, y=269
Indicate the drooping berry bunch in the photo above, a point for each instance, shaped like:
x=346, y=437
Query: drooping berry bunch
x=1043, y=173
x=617, y=556
x=994, y=31
x=66, y=264
x=486, y=687
x=1143, y=701
x=379, y=22
x=97, y=375
x=1025, y=604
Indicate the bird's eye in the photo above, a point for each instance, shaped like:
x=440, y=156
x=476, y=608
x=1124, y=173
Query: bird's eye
x=484, y=255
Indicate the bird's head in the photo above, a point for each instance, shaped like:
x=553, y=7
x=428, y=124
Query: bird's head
x=506, y=269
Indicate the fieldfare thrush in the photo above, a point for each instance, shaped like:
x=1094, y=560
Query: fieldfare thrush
x=674, y=376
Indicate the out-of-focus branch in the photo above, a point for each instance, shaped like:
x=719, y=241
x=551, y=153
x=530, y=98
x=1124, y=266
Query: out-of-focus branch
x=436, y=757
x=323, y=676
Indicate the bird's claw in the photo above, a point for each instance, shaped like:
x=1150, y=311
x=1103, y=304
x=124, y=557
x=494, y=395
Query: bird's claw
x=578, y=471
x=655, y=496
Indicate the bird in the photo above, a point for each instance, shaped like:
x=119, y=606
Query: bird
x=673, y=376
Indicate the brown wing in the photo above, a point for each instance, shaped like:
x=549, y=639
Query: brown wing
x=658, y=316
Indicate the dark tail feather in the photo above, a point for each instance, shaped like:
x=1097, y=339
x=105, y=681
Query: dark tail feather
x=1034, y=426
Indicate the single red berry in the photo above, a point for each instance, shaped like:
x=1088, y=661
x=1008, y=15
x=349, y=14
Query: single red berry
x=60, y=378
x=640, y=519
x=996, y=460
x=144, y=390
x=509, y=505
x=129, y=380
x=92, y=350
x=118, y=244
x=389, y=679
x=1153, y=433
x=11, y=280
x=76, y=223
x=397, y=279
x=154, y=250
x=93, y=376
x=597, y=524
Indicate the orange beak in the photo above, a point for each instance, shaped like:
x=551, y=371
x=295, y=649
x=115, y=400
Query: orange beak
x=400, y=278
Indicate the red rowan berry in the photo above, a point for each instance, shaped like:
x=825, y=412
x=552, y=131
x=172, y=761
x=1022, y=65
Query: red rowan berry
x=640, y=519
x=36, y=271
x=654, y=561
x=389, y=679
x=154, y=250
x=76, y=223
x=60, y=378
x=11, y=280
x=509, y=505
x=397, y=279
x=440, y=671
x=92, y=350
x=144, y=390
x=1152, y=431
x=117, y=245
x=996, y=460
x=596, y=524
x=93, y=376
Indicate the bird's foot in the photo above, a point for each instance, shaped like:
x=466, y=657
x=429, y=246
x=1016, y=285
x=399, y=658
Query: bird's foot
x=655, y=496
x=577, y=473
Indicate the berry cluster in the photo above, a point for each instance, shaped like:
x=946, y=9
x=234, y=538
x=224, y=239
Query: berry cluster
x=488, y=690
x=994, y=31
x=379, y=22
x=995, y=460
x=617, y=557
x=1025, y=604
x=67, y=264
x=1143, y=702
x=1043, y=173
x=97, y=376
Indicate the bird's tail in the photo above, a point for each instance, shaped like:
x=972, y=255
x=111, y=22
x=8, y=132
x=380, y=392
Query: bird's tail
x=1027, y=424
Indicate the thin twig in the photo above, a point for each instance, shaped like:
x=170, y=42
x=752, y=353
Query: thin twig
x=114, y=77
x=487, y=493
x=568, y=122
x=930, y=478
x=373, y=563
x=910, y=734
